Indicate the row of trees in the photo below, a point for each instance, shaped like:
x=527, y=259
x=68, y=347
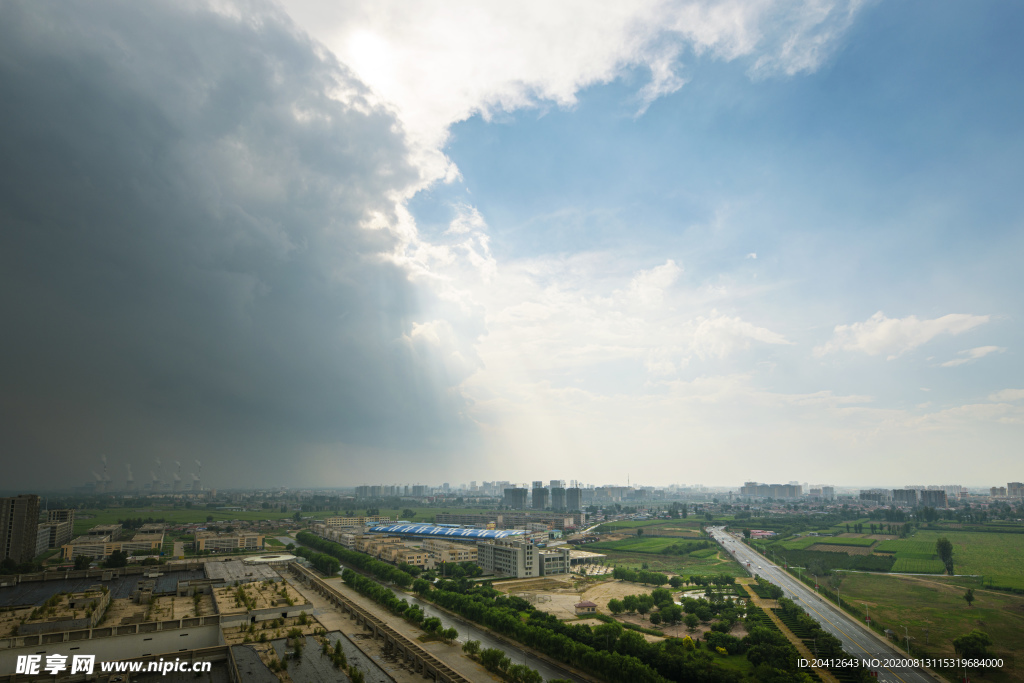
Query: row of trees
x=381, y=570
x=640, y=576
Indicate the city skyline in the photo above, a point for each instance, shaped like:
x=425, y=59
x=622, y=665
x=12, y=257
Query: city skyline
x=309, y=243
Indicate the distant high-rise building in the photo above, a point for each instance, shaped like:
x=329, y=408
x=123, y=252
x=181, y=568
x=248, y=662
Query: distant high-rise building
x=19, y=527
x=1015, y=489
x=934, y=498
x=557, y=484
x=540, y=497
x=573, y=499
x=828, y=492
x=538, y=484
x=904, y=496
x=558, y=499
x=515, y=498
x=997, y=491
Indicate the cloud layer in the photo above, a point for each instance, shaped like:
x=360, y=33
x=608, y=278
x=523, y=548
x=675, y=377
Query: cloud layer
x=197, y=253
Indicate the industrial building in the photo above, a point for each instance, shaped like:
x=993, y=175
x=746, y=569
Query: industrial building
x=103, y=546
x=217, y=542
x=19, y=527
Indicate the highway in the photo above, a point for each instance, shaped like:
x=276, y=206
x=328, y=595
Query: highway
x=855, y=638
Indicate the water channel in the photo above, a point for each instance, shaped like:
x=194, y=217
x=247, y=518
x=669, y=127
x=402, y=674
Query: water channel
x=470, y=631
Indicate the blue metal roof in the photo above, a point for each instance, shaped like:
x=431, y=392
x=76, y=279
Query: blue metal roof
x=431, y=530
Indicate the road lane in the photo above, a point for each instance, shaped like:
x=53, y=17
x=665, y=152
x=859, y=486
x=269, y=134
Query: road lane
x=856, y=640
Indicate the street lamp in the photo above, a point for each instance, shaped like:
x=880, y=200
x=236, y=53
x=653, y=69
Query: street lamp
x=867, y=613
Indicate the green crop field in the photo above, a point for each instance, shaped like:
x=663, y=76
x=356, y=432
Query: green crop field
x=935, y=612
x=910, y=566
x=804, y=542
x=900, y=546
x=839, y=540
x=633, y=524
x=707, y=552
x=916, y=556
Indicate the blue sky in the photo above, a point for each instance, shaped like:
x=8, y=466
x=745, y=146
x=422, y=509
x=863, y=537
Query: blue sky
x=391, y=242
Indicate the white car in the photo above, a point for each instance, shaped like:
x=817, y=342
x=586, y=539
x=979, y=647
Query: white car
x=758, y=566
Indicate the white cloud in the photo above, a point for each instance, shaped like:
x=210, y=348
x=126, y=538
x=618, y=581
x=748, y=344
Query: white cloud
x=720, y=336
x=895, y=336
x=972, y=354
x=1007, y=395
x=752, y=255
x=442, y=61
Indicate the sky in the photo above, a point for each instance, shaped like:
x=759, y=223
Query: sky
x=330, y=244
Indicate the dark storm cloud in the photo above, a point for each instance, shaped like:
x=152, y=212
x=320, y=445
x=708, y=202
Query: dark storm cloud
x=182, y=267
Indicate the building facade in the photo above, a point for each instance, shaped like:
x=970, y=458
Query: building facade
x=521, y=558
x=19, y=527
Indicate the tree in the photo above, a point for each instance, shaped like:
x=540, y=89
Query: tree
x=969, y=596
x=972, y=645
x=656, y=618
x=675, y=581
x=209, y=518
x=450, y=634
x=691, y=621
x=471, y=647
x=944, y=549
x=118, y=558
x=639, y=532
x=746, y=533
x=82, y=562
x=615, y=606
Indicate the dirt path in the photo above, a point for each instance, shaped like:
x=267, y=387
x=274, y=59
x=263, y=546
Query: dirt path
x=767, y=606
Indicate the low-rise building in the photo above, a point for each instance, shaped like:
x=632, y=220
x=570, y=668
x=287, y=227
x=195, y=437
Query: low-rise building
x=440, y=551
x=111, y=531
x=103, y=546
x=218, y=542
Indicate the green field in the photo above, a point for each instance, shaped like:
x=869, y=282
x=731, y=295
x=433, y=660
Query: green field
x=854, y=542
x=934, y=611
x=987, y=554
x=900, y=546
x=905, y=565
x=637, y=544
x=802, y=543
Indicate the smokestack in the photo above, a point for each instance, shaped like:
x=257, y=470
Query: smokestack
x=129, y=484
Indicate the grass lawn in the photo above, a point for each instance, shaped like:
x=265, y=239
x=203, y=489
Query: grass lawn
x=269, y=540
x=922, y=603
x=917, y=566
